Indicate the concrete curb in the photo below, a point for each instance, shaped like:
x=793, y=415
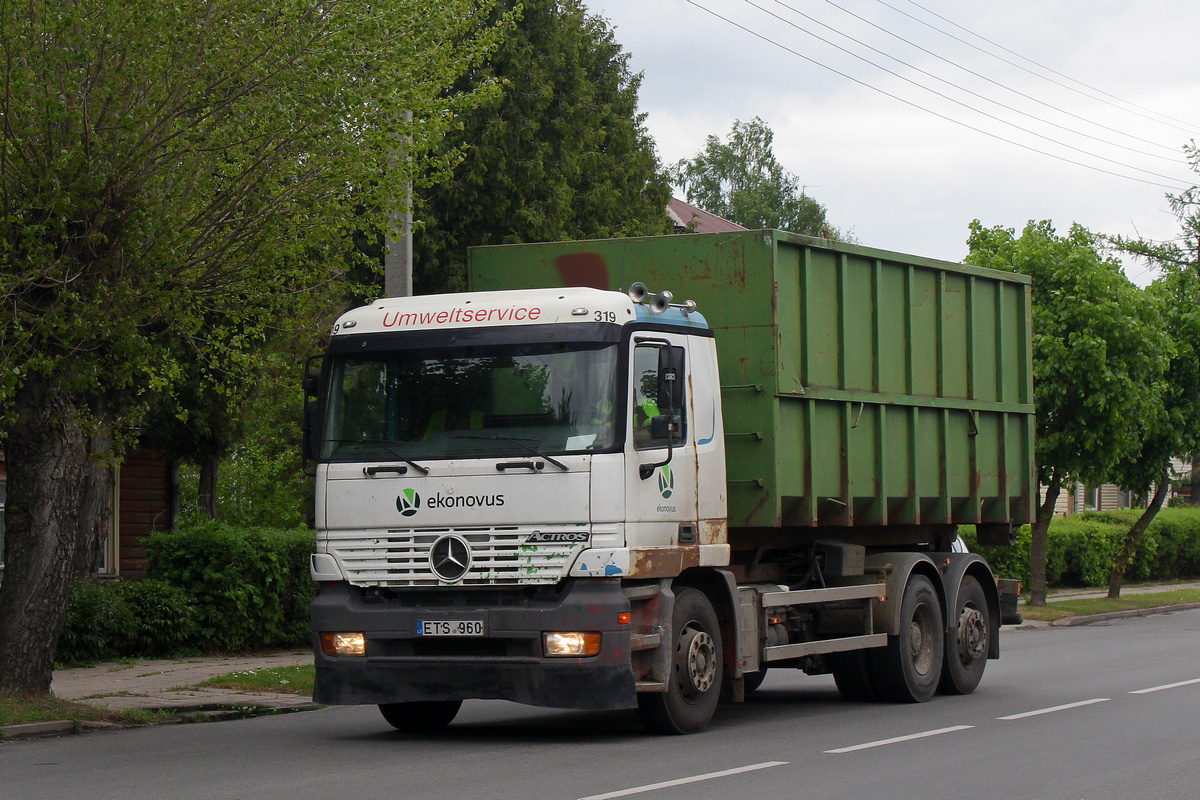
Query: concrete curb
x=31, y=729
x=183, y=715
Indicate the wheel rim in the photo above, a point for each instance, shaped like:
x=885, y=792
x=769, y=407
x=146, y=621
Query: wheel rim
x=972, y=636
x=920, y=640
x=698, y=661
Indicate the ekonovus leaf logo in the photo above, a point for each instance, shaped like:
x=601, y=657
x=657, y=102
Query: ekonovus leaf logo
x=666, y=482
x=408, y=502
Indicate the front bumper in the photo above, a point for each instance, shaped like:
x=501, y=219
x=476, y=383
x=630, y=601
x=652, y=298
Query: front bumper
x=506, y=664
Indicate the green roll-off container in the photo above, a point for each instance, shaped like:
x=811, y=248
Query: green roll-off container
x=860, y=387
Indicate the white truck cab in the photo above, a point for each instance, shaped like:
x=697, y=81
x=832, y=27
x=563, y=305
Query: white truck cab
x=492, y=469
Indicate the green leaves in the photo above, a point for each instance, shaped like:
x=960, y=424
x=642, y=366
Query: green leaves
x=742, y=181
x=1099, y=350
x=250, y=585
x=561, y=153
x=164, y=166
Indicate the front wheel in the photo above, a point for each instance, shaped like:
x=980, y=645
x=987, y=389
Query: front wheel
x=426, y=716
x=967, y=648
x=908, y=669
x=695, y=683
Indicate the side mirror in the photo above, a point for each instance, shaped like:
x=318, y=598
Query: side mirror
x=312, y=411
x=312, y=381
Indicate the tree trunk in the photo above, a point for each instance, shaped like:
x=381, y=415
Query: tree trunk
x=1129, y=546
x=58, y=485
x=208, y=486
x=1037, y=545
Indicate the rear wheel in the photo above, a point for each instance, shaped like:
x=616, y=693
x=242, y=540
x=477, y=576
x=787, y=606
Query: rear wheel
x=967, y=648
x=908, y=669
x=420, y=717
x=695, y=683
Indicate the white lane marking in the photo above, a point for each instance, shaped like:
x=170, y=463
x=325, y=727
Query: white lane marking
x=1166, y=686
x=681, y=781
x=896, y=739
x=1052, y=709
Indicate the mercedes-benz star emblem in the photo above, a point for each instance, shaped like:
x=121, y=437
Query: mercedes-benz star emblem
x=450, y=557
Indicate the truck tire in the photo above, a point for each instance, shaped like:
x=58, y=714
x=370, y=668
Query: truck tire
x=694, y=686
x=967, y=648
x=425, y=716
x=909, y=668
x=852, y=674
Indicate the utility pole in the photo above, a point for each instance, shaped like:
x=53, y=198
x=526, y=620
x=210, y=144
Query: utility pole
x=397, y=260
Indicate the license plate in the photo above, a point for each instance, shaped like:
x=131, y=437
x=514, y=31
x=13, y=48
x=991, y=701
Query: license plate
x=452, y=627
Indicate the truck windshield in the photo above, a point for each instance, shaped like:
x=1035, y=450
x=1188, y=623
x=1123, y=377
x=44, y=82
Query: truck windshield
x=502, y=400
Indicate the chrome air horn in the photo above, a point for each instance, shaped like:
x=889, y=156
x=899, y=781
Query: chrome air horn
x=659, y=302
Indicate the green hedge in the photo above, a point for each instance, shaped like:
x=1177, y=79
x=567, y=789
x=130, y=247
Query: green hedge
x=211, y=588
x=123, y=619
x=1080, y=550
x=251, y=585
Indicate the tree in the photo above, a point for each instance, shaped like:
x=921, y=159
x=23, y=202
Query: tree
x=1177, y=432
x=215, y=403
x=1098, y=359
x=161, y=166
x=562, y=154
x=1173, y=426
x=742, y=181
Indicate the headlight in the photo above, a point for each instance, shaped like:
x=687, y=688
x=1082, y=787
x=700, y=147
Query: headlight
x=343, y=644
x=558, y=643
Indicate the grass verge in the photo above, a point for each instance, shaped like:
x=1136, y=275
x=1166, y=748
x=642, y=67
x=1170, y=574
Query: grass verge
x=23, y=710
x=1060, y=609
x=288, y=680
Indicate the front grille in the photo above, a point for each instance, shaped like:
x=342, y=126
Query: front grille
x=499, y=556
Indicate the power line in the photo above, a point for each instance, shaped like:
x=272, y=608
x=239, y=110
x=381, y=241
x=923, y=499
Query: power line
x=1187, y=128
x=948, y=98
x=994, y=82
x=998, y=137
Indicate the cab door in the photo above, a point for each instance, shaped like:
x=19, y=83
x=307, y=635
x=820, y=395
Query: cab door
x=661, y=449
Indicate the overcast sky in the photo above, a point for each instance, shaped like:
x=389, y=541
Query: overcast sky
x=1111, y=85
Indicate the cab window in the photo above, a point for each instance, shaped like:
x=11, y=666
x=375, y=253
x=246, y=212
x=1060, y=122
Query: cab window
x=646, y=401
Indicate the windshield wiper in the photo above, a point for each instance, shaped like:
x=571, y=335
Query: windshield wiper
x=385, y=445
x=519, y=443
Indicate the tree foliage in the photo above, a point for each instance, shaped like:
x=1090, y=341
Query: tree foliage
x=1099, y=354
x=741, y=180
x=1174, y=427
x=1176, y=432
x=563, y=153
x=172, y=177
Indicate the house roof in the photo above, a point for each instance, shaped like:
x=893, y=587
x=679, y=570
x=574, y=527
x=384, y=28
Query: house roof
x=689, y=219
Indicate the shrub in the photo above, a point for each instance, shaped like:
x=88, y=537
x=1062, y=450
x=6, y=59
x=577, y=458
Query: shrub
x=164, y=619
x=1177, y=534
x=97, y=620
x=251, y=585
x=1080, y=550
x=119, y=619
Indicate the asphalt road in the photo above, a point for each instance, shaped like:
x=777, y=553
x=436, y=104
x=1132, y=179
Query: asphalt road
x=1103, y=712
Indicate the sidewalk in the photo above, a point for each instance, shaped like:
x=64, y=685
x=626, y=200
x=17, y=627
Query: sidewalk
x=169, y=683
